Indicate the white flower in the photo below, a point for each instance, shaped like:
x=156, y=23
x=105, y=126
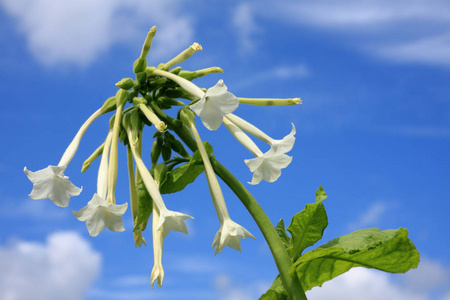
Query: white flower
x=99, y=214
x=157, y=274
x=158, y=241
x=214, y=104
x=52, y=184
x=230, y=234
x=172, y=220
x=278, y=146
x=267, y=166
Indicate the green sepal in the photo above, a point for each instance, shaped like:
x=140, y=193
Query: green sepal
x=175, y=70
x=141, y=77
x=139, y=65
x=156, y=149
x=166, y=150
x=191, y=75
x=87, y=163
x=109, y=105
x=178, y=178
x=389, y=250
x=145, y=207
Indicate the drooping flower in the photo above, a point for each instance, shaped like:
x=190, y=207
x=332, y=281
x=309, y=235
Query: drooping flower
x=214, y=104
x=99, y=214
x=278, y=146
x=51, y=183
x=158, y=242
x=267, y=166
x=230, y=234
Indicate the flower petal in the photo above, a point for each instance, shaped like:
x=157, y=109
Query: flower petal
x=229, y=234
x=268, y=166
x=52, y=184
x=284, y=145
x=219, y=88
x=172, y=220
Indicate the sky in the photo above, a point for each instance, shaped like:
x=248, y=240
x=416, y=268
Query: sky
x=373, y=130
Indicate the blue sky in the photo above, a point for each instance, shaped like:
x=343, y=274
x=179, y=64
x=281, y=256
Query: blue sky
x=373, y=130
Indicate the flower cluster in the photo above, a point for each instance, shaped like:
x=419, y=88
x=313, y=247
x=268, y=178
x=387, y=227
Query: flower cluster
x=140, y=102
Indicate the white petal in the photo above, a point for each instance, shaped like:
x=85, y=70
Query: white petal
x=157, y=273
x=219, y=88
x=52, y=184
x=96, y=223
x=229, y=234
x=267, y=167
x=172, y=220
x=284, y=145
x=197, y=107
x=211, y=116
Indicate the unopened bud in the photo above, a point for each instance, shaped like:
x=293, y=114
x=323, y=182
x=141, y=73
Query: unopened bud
x=125, y=83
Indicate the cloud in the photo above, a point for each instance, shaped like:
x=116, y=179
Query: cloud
x=232, y=291
x=429, y=276
x=422, y=131
x=79, y=31
x=246, y=27
x=371, y=216
x=62, y=268
x=402, y=31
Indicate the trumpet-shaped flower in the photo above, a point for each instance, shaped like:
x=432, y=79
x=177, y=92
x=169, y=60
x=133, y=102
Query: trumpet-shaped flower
x=214, y=104
x=267, y=166
x=277, y=146
x=172, y=220
x=52, y=184
x=230, y=234
x=158, y=241
x=99, y=214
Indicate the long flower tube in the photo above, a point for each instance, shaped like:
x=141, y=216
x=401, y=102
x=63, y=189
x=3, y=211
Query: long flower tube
x=51, y=182
x=158, y=242
x=270, y=101
x=170, y=219
x=265, y=166
x=229, y=232
x=278, y=146
x=98, y=213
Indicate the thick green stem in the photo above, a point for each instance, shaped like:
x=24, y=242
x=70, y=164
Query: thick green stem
x=279, y=253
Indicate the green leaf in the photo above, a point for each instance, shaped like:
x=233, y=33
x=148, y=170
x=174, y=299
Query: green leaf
x=177, y=179
x=320, y=194
x=280, y=228
x=145, y=207
x=389, y=250
x=307, y=228
x=276, y=291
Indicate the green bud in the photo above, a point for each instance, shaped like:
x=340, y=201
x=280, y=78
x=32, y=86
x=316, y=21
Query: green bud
x=190, y=75
x=170, y=101
x=87, y=163
x=166, y=150
x=125, y=83
x=186, y=116
x=139, y=100
x=148, y=42
x=109, y=105
x=149, y=71
x=139, y=65
x=141, y=77
x=156, y=150
x=178, y=147
x=175, y=70
x=184, y=55
x=121, y=97
x=174, y=93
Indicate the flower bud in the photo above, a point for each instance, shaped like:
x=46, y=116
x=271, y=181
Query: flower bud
x=156, y=150
x=121, y=97
x=125, y=83
x=109, y=105
x=186, y=116
x=190, y=75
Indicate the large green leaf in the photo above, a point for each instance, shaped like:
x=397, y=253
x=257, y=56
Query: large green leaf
x=307, y=228
x=389, y=250
x=178, y=178
x=276, y=291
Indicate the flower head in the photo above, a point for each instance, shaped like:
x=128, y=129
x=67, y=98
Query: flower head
x=230, y=234
x=267, y=166
x=284, y=145
x=172, y=220
x=52, y=184
x=99, y=214
x=214, y=104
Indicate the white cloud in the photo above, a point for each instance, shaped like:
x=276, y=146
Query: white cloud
x=229, y=290
x=246, y=27
x=361, y=283
x=371, y=216
x=403, y=31
x=63, y=268
x=79, y=31
x=428, y=276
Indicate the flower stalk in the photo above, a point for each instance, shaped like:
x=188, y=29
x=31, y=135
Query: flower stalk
x=269, y=101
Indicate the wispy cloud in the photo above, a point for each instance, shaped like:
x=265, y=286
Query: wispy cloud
x=79, y=31
x=246, y=27
x=64, y=267
x=371, y=216
x=403, y=31
x=421, y=132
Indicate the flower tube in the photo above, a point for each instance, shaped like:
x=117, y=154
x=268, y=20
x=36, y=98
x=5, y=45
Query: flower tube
x=158, y=241
x=265, y=166
x=229, y=232
x=277, y=146
x=51, y=182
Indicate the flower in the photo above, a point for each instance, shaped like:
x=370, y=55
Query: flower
x=52, y=184
x=278, y=146
x=267, y=166
x=158, y=241
x=214, y=104
x=229, y=234
x=99, y=214
x=172, y=220
x=157, y=274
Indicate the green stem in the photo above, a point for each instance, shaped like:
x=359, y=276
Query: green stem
x=279, y=253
